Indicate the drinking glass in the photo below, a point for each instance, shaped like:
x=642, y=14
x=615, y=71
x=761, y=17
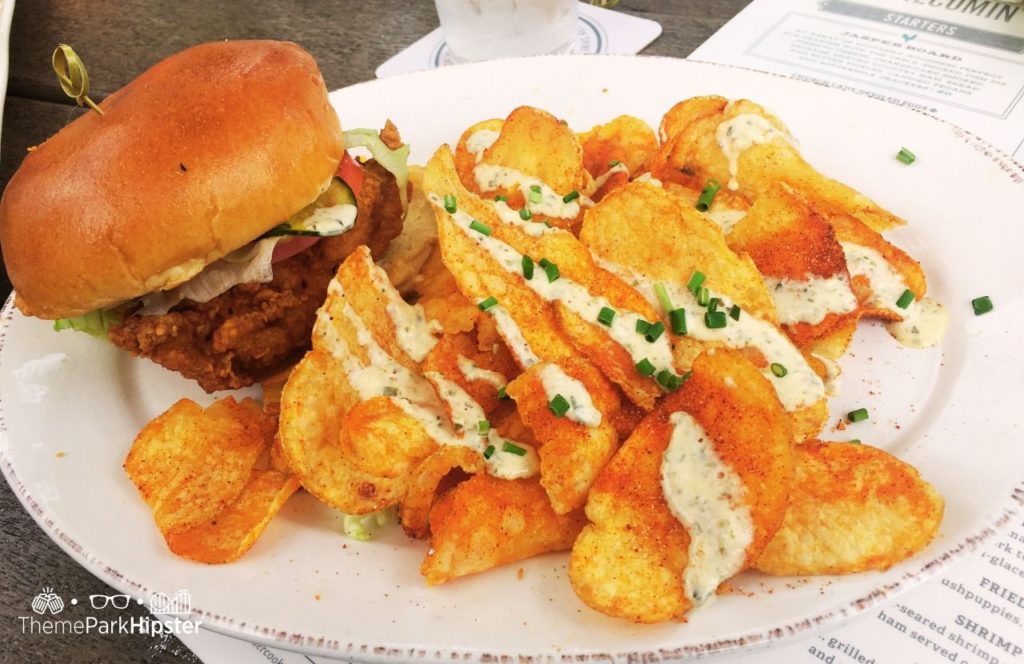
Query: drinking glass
x=485, y=29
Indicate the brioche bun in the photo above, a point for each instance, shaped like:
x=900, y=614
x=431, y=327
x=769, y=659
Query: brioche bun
x=198, y=156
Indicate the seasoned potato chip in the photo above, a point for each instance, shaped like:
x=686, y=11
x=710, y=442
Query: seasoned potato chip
x=796, y=251
x=190, y=463
x=427, y=483
x=228, y=535
x=472, y=146
x=573, y=448
x=851, y=508
x=485, y=522
x=531, y=159
x=196, y=469
x=626, y=140
x=849, y=230
x=637, y=560
x=672, y=245
x=758, y=152
x=312, y=418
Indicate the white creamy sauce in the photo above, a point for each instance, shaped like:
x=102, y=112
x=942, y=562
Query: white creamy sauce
x=491, y=178
x=725, y=218
x=480, y=140
x=473, y=372
x=924, y=321
x=738, y=134
x=707, y=496
x=513, y=336
x=602, y=180
x=799, y=388
x=832, y=373
x=328, y=221
x=581, y=406
x=415, y=334
x=810, y=299
x=649, y=179
x=383, y=376
x=573, y=295
x=467, y=415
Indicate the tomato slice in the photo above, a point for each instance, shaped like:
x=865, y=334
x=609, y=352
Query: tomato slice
x=351, y=172
x=290, y=246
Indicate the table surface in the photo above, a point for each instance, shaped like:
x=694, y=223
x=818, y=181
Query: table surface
x=118, y=40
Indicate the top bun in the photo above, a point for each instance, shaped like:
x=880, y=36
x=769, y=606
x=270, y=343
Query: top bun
x=193, y=159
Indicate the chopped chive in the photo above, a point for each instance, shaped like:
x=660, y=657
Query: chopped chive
x=449, y=204
x=645, y=368
x=535, y=195
x=654, y=331
x=734, y=312
x=708, y=195
x=677, y=319
x=905, y=299
x=571, y=196
x=546, y=223
x=668, y=380
x=525, y=214
x=695, y=282
x=559, y=405
x=858, y=415
x=512, y=448
x=501, y=199
x=713, y=304
x=703, y=297
x=483, y=426
x=982, y=305
x=662, y=293
x=389, y=391
x=854, y=441
x=489, y=452
x=527, y=267
x=778, y=370
x=906, y=156
x=715, y=320
x=502, y=395
x=489, y=303
x=550, y=269
x=480, y=227
x=613, y=163
x=606, y=316
x=642, y=326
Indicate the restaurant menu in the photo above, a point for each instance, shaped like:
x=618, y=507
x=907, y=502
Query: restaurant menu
x=960, y=60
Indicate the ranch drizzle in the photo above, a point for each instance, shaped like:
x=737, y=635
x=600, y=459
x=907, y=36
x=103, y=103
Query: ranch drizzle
x=924, y=321
x=707, y=497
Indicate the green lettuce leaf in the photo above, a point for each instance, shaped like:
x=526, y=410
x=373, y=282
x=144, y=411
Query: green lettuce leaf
x=395, y=162
x=96, y=323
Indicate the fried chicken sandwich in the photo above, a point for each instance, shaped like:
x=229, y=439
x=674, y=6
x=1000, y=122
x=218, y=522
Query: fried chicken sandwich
x=199, y=218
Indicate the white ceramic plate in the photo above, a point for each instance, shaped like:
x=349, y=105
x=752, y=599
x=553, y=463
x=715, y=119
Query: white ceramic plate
x=954, y=411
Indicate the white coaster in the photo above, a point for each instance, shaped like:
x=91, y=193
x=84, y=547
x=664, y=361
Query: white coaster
x=598, y=31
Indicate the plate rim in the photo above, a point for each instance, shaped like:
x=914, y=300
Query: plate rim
x=989, y=525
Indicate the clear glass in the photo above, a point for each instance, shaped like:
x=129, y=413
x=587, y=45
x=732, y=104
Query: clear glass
x=485, y=29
